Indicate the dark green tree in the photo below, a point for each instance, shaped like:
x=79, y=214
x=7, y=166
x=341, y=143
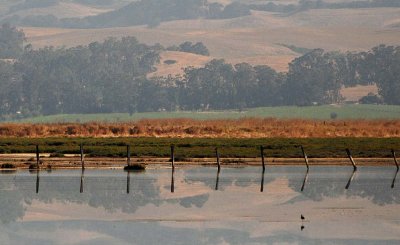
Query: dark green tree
x=11, y=42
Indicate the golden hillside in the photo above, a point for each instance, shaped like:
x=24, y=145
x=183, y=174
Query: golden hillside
x=255, y=39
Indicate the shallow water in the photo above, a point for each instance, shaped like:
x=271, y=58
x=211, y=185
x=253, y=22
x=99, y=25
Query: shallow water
x=197, y=206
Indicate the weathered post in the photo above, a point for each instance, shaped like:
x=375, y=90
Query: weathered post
x=218, y=162
x=262, y=157
x=82, y=157
x=305, y=157
x=37, y=157
x=173, y=156
x=351, y=159
x=395, y=159
x=128, y=155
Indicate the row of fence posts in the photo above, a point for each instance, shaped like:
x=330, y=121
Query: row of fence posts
x=172, y=159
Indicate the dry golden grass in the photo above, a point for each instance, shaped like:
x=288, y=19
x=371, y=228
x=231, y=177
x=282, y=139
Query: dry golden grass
x=241, y=128
x=254, y=39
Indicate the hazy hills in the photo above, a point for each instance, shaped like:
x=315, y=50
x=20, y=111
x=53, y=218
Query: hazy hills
x=261, y=37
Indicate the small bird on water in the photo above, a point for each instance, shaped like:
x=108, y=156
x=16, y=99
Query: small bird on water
x=302, y=217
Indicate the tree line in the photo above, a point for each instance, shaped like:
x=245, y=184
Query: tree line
x=113, y=76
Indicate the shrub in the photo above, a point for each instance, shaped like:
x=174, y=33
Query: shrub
x=7, y=166
x=135, y=167
x=170, y=62
x=56, y=154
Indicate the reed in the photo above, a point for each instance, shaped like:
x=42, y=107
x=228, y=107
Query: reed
x=224, y=128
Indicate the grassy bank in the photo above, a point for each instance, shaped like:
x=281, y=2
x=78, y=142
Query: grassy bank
x=205, y=147
x=306, y=112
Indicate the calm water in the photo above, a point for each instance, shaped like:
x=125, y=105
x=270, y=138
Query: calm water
x=198, y=206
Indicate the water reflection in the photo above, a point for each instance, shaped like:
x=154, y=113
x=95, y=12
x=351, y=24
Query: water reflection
x=217, y=180
x=305, y=180
x=394, y=178
x=172, y=180
x=262, y=180
x=82, y=178
x=37, y=181
x=236, y=214
x=128, y=181
x=350, y=179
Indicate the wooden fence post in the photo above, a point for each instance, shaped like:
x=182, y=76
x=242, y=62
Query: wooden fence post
x=218, y=162
x=395, y=159
x=351, y=159
x=262, y=157
x=128, y=155
x=82, y=157
x=305, y=157
x=173, y=156
x=37, y=157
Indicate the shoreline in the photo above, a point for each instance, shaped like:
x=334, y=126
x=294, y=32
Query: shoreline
x=23, y=161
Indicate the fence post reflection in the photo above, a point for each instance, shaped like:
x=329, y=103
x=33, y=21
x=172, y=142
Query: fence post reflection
x=128, y=182
x=394, y=178
x=37, y=181
x=305, y=180
x=351, y=178
x=82, y=178
x=172, y=181
x=217, y=180
x=262, y=181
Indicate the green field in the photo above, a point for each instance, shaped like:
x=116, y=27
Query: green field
x=198, y=148
x=307, y=112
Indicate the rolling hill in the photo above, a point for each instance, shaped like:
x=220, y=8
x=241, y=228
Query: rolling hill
x=256, y=39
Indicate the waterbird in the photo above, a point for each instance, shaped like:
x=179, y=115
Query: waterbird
x=302, y=217
x=302, y=227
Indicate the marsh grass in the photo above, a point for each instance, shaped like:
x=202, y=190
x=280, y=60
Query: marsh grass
x=223, y=128
x=186, y=148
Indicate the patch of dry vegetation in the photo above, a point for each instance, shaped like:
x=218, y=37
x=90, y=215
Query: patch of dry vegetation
x=357, y=92
x=181, y=128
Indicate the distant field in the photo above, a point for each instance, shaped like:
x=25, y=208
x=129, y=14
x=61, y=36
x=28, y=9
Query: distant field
x=309, y=112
